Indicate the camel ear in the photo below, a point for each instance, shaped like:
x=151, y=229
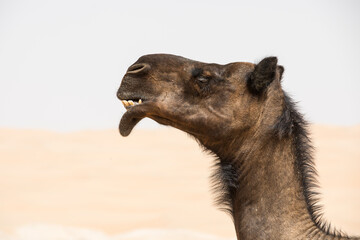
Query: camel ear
x=264, y=73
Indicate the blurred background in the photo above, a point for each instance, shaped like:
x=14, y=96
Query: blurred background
x=61, y=63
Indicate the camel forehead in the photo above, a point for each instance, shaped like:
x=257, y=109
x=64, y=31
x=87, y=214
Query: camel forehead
x=168, y=61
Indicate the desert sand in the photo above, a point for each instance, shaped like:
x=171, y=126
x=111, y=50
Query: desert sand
x=153, y=184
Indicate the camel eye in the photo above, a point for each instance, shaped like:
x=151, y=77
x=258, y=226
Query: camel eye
x=203, y=79
x=198, y=74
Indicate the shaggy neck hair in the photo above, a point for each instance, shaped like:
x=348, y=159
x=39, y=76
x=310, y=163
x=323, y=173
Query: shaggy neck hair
x=291, y=125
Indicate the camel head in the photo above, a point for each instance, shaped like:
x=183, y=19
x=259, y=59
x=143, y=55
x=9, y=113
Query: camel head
x=204, y=100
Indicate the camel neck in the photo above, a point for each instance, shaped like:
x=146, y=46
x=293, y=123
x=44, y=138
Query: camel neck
x=266, y=177
x=269, y=200
x=265, y=191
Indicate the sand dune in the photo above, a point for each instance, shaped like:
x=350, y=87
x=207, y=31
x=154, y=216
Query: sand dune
x=152, y=185
x=58, y=232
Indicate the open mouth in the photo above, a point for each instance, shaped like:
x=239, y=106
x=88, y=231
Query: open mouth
x=139, y=108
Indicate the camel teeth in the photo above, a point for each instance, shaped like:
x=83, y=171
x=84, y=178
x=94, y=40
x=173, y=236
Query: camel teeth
x=130, y=103
x=125, y=103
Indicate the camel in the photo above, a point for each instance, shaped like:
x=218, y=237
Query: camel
x=265, y=176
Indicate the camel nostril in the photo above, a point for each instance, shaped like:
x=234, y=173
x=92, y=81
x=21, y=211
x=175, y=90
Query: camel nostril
x=139, y=67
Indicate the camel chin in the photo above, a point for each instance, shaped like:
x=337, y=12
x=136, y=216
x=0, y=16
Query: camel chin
x=131, y=117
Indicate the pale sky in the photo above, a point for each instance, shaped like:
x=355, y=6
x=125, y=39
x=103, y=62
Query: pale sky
x=61, y=62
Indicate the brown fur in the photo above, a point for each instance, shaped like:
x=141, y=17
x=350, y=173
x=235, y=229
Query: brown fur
x=240, y=113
